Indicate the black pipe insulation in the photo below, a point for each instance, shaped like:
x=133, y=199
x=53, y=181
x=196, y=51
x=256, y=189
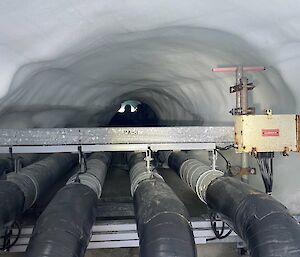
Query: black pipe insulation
x=264, y=223
x=261, y=221
x=64, y=228
x=6, y=165
x=11, y=203
x=176, y=159
x=7, y=162
x=162, y=220
x=22, y=189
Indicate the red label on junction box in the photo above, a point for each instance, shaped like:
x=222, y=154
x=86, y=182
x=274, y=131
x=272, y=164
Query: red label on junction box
x=270, y=132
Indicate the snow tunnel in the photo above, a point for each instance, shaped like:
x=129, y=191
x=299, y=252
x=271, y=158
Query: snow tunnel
x=69, y=67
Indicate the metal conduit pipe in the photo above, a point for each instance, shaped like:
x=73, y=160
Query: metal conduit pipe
x=64, y=228
x=162, y=220
x=21, y=190
x=262, y=222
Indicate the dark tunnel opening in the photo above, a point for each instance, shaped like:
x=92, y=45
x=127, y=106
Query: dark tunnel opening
x=134, y=113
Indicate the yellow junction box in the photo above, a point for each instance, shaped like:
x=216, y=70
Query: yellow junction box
x=267, y=133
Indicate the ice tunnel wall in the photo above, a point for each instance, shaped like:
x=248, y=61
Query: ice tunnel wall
x=72, y=63
x=168, y=68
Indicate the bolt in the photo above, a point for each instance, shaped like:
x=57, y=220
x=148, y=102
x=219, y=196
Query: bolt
x=252, y=171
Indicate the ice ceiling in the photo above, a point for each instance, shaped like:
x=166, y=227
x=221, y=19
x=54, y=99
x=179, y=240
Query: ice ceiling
x=72, y=63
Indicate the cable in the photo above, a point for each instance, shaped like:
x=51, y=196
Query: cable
x=218, y=234
x=228, y=164
x=265, y=163
x=227, y=147
x=7, y=236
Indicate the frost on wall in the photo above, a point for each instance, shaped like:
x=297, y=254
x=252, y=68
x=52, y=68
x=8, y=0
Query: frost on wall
x=72, y=63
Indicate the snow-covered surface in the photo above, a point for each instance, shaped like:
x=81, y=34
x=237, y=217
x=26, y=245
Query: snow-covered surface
x=72, y=62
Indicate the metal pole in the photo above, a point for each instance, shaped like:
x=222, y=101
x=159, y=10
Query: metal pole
x=245, y=168
x=244, y=96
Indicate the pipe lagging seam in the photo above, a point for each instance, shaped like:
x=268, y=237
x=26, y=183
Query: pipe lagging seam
x=25, y=187
x=194, y=173
x=64, y=228
x=36, y=179
x=138, y=174
x=92, y=177
x=162, y=220
x=261, y=221
x=138, y=171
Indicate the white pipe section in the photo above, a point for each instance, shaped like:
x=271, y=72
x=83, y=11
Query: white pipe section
x=198, y=176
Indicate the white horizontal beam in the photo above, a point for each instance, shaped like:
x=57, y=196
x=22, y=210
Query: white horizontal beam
x=54, y=140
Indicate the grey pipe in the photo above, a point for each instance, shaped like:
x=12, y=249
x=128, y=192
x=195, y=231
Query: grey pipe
x=94, y=178
x=261, y=221
x=25, y=187
x=245, y=168
x=163, y=222
x=194, y=173
x=64, y=228
x=36, y=179
x=244, y=96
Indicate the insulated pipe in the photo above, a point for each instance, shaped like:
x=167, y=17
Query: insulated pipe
x=7, y=164
x=21, y=190
x=163, y=222
x=261, y=221
x=193, y=172
x=64, y=228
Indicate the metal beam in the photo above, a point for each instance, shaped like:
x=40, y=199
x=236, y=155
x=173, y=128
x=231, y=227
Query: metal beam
x=51, y=140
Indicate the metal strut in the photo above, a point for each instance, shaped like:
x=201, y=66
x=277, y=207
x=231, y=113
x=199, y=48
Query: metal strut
x=148, y=158
x=241, y=87
x=82, y=160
